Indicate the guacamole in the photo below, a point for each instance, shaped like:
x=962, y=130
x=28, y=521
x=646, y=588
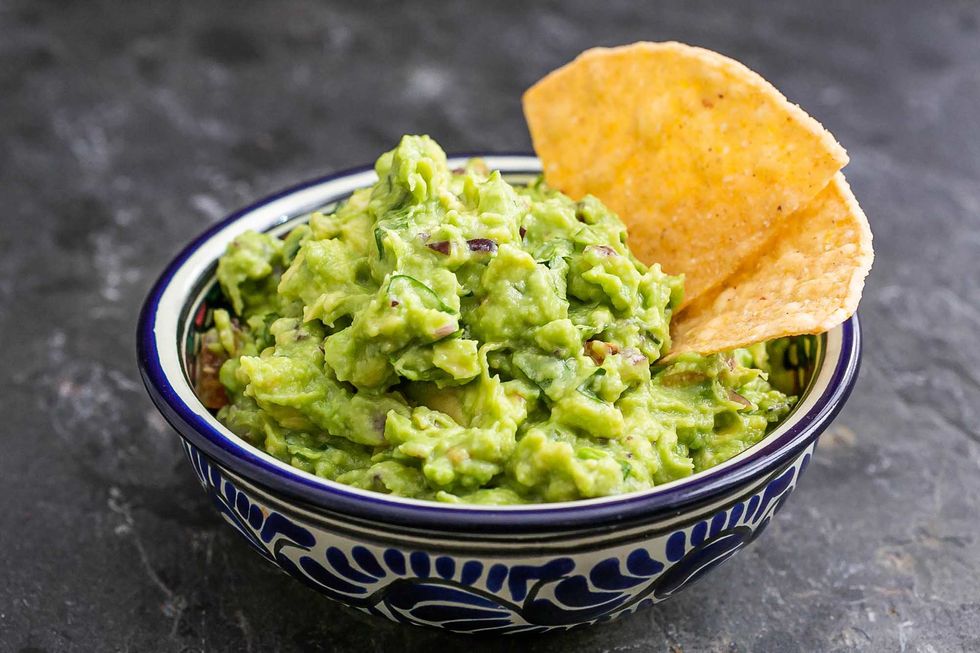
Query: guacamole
x=447, y=335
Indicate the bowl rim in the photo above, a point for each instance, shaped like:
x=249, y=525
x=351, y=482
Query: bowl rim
x=253, y=464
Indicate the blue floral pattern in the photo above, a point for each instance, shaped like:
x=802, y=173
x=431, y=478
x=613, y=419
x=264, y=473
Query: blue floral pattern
x=505, y=593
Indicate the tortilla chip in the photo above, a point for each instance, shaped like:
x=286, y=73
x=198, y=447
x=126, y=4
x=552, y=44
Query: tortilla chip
x=808, y=279
x=700, y=156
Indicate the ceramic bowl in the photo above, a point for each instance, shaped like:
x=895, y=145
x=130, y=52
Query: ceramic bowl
x=474, y=569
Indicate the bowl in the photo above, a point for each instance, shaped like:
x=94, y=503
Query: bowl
x=466, y=568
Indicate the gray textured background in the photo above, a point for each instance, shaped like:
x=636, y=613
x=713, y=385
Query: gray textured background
x=126, y=130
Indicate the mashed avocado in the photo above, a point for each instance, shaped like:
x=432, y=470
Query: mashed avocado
x=446, y=335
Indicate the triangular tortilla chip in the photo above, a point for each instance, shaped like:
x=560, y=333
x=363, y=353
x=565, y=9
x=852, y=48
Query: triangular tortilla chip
x=700, y=156
x=808, y=279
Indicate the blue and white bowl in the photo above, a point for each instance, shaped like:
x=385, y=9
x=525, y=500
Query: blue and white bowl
x=473, y=569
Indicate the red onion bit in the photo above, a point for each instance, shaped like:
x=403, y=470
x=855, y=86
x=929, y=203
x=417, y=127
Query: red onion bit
x=443, y=246
x=635, y=357
x=605, y=250
x=739, y=399
x=482, y=245
x=445, y=330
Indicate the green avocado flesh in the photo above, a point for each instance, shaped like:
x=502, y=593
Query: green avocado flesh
x=446, y=335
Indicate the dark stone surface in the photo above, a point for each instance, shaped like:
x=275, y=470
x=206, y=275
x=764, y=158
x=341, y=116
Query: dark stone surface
x=126, y=129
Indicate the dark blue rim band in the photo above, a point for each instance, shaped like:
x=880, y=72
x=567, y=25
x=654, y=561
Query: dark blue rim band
x=702, y=487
